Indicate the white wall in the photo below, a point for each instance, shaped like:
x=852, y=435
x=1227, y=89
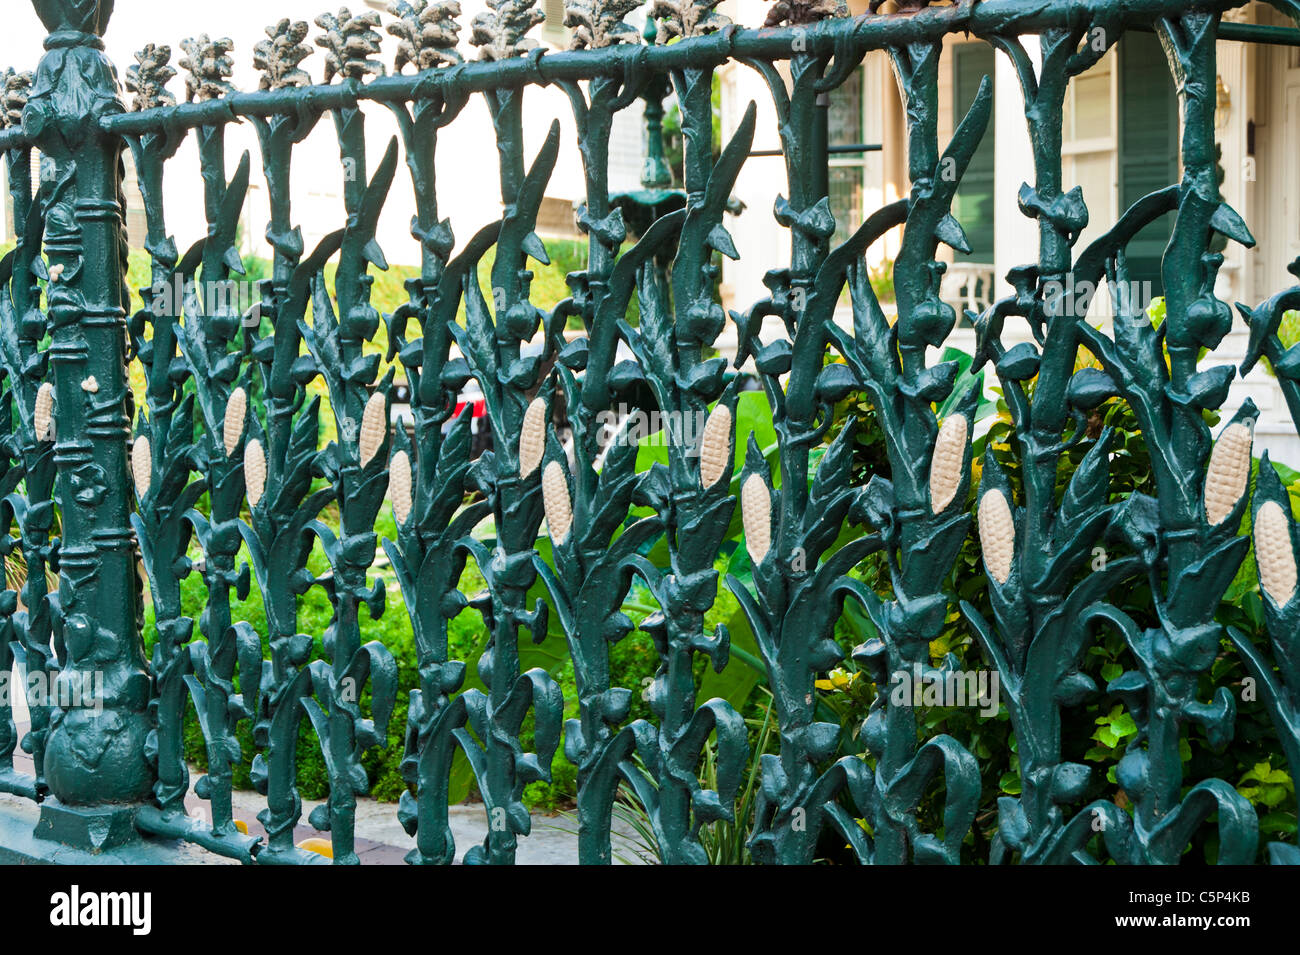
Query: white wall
x=468, y=189
x=1015, y=238
x=763, y=243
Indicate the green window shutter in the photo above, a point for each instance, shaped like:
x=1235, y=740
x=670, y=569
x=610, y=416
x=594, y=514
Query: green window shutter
x=1148, y=146
x=973, y=205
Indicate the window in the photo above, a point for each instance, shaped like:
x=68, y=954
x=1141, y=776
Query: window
x=1148, y=146
x=1120, y=142
x=847, y=170
x=1088, y=144
x=973, y=204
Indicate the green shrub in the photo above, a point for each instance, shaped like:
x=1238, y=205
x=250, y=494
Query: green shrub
x=1096, y=733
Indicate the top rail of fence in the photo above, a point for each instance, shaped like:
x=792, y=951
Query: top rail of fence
x=828, y=38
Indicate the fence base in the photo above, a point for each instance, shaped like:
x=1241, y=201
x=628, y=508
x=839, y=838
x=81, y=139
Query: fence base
x=28, y=837
x=94, y=829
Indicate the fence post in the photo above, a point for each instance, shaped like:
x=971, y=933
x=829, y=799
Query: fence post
x=95, y=761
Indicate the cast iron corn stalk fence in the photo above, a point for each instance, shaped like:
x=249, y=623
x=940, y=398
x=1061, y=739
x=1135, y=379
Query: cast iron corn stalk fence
x=227, y=421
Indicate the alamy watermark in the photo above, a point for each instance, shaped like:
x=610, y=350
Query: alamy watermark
x=173, y=298
x=78, y=689
x=78, y=908
x=631, y=425
x=976, y=689
x=1071, y=298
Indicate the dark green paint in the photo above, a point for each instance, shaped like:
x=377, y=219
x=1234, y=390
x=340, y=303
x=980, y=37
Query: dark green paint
x=103, y=777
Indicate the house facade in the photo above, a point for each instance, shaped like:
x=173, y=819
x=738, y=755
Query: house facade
x=1121, y=141
x=468, y=189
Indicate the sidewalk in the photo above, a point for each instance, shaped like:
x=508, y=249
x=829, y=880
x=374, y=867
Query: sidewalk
x=380, y=838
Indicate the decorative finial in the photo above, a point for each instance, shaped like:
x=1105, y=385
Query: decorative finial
x=687, y=18
x=209, y=66
x=277, y=57
x=802, y=12
x=14, y=89
x=500, y=31
x=78, y=16
x=599, y=23
x=426, y=33
x=147, y=78
x=350, y=44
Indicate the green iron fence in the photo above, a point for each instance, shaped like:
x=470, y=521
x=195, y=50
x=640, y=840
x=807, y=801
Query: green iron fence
x=224, y=459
